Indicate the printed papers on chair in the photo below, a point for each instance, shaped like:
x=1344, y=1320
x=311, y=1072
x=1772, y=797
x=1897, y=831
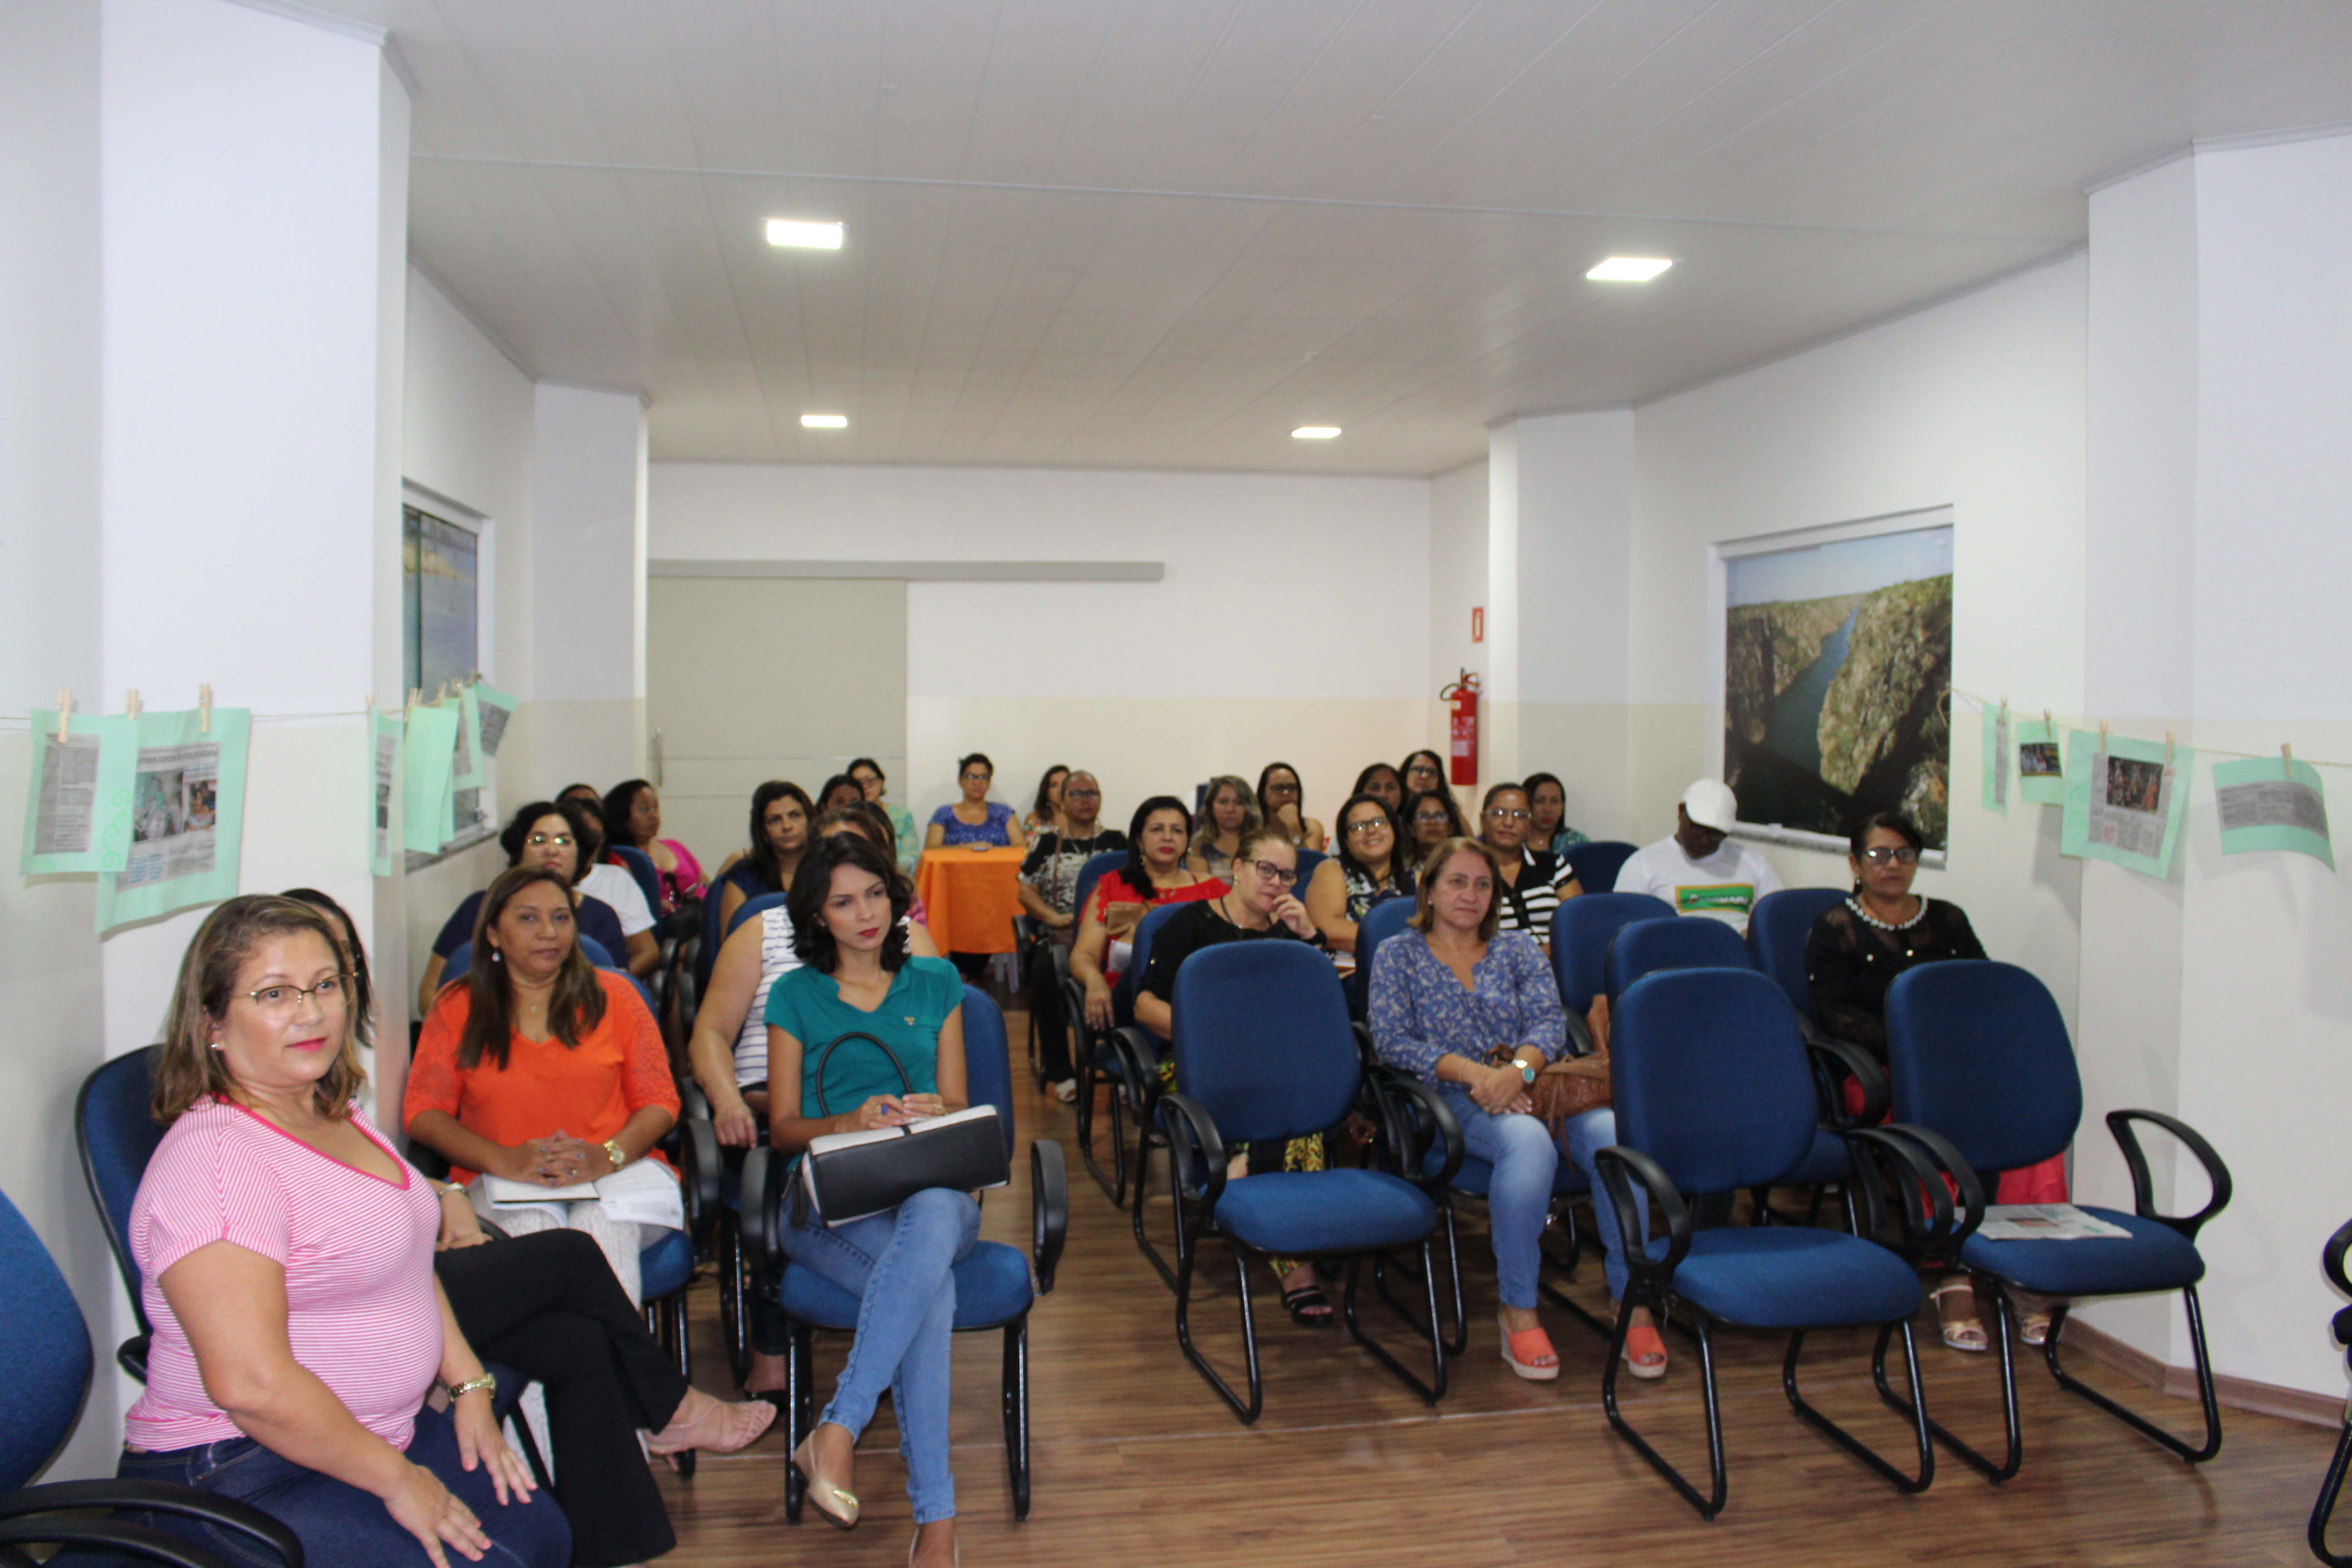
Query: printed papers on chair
x=642, y=1193
x=2045, y=1222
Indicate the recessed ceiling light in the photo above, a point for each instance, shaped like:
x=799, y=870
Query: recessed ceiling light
x=1629, y=269
x=1314, y=432
x=824, y=421
x=806, y=235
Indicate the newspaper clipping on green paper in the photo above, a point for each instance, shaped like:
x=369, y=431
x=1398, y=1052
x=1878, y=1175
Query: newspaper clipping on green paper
x=425, y=778
x=1997, y=758
x=496, y=711
x=384, y=771
x=78, y=811
x=2272, y=803
x=187, y=810
x=2040, y=747
x=2124, y=800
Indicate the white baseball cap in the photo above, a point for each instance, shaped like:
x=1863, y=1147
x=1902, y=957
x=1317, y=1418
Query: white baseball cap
x=1712, y=805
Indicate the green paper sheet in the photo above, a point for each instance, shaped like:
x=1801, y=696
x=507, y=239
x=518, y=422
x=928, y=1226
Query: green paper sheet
x=188, y=814
x=1996, y=759
x=497, y=709
x=2125, y=803
x=77, y=809
x=2268, y=805
x=465, y=769
x=2041, y=753
x=425, y=778
x=383, y=770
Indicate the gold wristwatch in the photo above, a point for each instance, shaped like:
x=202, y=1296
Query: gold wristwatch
x=472, y=1385
x=613, y=1151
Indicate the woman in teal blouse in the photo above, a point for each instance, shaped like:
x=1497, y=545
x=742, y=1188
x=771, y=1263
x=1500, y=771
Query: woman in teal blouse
x=845, y=903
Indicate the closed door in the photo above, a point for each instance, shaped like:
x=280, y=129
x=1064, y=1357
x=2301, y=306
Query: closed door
x=751, y=678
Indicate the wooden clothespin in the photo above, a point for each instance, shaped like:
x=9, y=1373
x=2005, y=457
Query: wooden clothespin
x=2103, y=736
x=2168, y=748
x=2049, y=727
x=205, y=708
x=65, y=711
x=444, y=696
x=2286, y=758
x=130, y=703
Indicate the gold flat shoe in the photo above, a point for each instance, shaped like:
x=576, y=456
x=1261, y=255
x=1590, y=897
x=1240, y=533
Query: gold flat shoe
x=839, y=1507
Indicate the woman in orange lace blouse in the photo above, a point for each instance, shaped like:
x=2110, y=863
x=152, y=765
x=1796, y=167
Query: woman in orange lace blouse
x=537, y=1068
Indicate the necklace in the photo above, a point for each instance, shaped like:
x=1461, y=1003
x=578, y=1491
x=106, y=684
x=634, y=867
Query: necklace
x=1866, y=917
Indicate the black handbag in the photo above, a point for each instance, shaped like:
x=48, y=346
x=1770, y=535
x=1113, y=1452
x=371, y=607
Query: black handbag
x=848, y=1176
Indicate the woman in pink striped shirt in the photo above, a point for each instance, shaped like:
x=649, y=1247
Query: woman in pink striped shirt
x=286, y=1255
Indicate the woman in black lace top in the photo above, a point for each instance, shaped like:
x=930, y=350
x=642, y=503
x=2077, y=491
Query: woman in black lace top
x=1856, y=949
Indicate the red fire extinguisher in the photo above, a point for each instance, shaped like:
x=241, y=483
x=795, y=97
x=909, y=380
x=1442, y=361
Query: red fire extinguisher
x=1462, y=700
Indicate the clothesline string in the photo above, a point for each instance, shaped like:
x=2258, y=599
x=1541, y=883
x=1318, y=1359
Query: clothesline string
x=2019, y=714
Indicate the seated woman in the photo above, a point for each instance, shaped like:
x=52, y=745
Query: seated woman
x=1259, y=905
x=1045, y=812
x=874, y=786
x=543, y=1070
x=1227, y=811
x=632, y=813
x=855, y=976
x=1153, y=876
x=1370, y=869
x=1425, y=771
x=285, y=1251
x=1547, y=805
x=1851, y=955
x=1531, y=882
x=617, y=886
x=1432, y=816
x=587, y=795
x=548, y=1306
x=1383, y=784
x=780, y=836
x=1473, y=1010
x=545, y=833
x=839, y=791
x=975, y=822
x=868, y=822
x=1278, y=804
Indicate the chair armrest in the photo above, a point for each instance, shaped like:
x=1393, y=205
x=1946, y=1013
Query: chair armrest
x=1832, y=1057
x=149, y=1497
x=2143, y=1188
x=135, y=1541
x=1138, y=1055
x=1049, y=1209
x=1579, y=1035
x=754, y=1215
x=130, y=1355
x=2331, y=1257
x=693, y=1105
x=698, y=1166
x=1928, y=1172
x=1619, y=1167
x=1061, y=962
x=1367, y=1052
x=1413, y=1116
x=1196, y=1154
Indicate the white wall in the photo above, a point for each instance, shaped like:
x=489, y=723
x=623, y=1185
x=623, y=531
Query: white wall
x=1293, y=620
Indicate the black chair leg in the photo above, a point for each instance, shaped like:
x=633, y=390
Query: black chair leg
x=1187, y=1249
x=1017, y=1412
x=2145, y=1427
x=1146, y=1116
x=1906, y=1484
x=734, y=1318
x=674, y=1335
x=797, y=1426
x=2002, y=1328
x=1434, y=1389
x=2324, y=1508
x=1707, y=1506
x=1458, y=1341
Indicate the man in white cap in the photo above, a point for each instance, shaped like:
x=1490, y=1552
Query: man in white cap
x=1700, y=870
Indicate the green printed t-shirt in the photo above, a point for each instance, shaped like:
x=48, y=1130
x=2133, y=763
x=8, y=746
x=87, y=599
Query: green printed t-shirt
x=805, y=1002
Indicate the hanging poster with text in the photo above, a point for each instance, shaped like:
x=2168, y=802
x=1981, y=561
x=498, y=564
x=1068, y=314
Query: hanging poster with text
x=497, y=709
x=2270, y=803
x=187, y=808
x=1996, y=759
x=384, y=771
x=77, y=812
x=2124, y=800
x=425, y=779
x=2041, y=751
x=465, y=763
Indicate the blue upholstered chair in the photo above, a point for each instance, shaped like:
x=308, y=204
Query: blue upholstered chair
x=1381, y=921
x=1981, y=1061
x=1777, y=928
x=1092, y=872
x=1597, y=863
x=1645, y=947
x=1122, y=1057
x=641, y=869
x=46, y=1347
x=1713, y=1094
x=1086, y=1046
x=2331, y=1260
x=1264, y=1053
x=1307, y=860
x=1582, y=930
x=993, y=1285
x=749, y=909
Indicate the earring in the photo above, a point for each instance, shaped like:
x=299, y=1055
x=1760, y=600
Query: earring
x=497, y=957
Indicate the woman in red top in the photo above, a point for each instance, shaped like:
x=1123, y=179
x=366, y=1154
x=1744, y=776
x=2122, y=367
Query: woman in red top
x=1154, y=875
x=540, y=1069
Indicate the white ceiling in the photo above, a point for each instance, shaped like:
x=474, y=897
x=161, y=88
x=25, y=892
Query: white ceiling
x=1162, y=233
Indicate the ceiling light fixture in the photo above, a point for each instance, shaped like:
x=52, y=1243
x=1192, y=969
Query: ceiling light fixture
x=1629, y=269
x=1314, y=432
x=824, y=421
x=805, y=234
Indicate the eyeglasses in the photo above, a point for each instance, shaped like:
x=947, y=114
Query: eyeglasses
x=1504, y=814
x=1279, y=787
x=1901, y=854
x=1082, y=794
x=280, y=1001
x=1280, y=876
x=1435, y=816
x=542, y=840
x=1368, y=827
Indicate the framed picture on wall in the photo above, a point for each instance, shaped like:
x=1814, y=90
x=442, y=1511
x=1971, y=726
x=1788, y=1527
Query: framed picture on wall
x=1837, y=671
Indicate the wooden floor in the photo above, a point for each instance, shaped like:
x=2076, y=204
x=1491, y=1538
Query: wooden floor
x=1136, y=1461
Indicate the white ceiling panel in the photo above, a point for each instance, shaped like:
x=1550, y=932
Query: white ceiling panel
x=1122, y=232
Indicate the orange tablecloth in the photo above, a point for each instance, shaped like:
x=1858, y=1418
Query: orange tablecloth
x=971, y=897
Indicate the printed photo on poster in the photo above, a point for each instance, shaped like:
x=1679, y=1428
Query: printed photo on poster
x=186, y=801
x=1837, y=680
x=2124, y=800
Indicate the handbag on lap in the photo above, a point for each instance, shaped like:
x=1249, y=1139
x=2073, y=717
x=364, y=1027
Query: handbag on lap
x=1567, y=1087
x=848, y=1176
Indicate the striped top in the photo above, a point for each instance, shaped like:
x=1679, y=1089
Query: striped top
x=361, y=1310
x=776, y=955
x=1528, y=905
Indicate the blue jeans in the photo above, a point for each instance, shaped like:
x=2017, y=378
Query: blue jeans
x=900, y=1266
x=1518, y=1199
x=339, y=1525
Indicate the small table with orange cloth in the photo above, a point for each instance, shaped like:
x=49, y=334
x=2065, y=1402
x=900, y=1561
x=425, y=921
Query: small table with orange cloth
x=971, y=897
